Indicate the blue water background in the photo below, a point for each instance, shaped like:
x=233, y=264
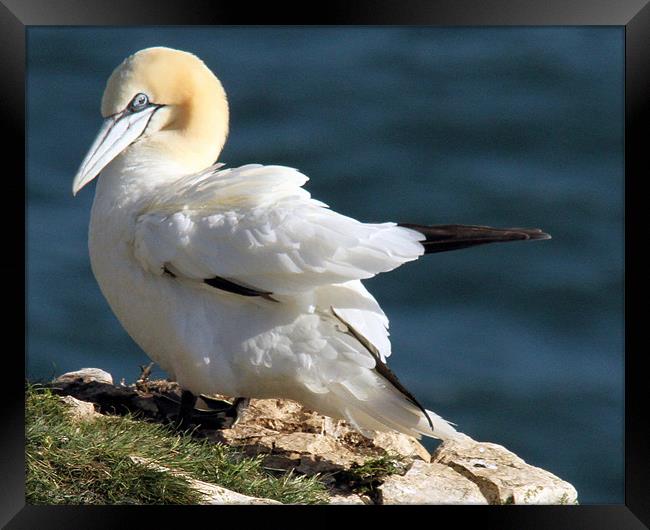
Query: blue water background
x=519, y=344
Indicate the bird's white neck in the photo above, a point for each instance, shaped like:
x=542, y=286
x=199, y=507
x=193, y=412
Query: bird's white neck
x=125, y=190
x=131, y=180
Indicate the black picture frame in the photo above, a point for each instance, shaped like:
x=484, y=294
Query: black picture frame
x=17, y=15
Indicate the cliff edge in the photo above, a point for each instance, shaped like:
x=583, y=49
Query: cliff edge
x=289, y=440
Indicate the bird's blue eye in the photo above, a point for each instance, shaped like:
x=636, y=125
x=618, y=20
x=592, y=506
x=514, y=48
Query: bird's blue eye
x=139, y=102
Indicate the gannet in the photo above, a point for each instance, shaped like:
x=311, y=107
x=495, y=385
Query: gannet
x=235, y=280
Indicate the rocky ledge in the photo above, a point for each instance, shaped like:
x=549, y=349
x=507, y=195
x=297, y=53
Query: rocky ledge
x=392, y=468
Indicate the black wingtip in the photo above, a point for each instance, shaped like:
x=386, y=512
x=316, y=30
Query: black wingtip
x=532, y=233
x=443, y=238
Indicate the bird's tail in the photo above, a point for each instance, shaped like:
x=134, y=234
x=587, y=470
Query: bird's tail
x=378, y=406
x=441, y=238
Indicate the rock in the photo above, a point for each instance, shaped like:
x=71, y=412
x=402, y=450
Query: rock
x=293, y=437
x=90, y=385
x=401, y=445
x=288, y=436
x=214, y=494
x=502, y=476
x=86, y=375
x=430, y=484
x=80, y=410
x=349, y=499
x=211, y=493
x=460, y=472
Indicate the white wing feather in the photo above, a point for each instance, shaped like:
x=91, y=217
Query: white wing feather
x=352, y=303
x=256, y=226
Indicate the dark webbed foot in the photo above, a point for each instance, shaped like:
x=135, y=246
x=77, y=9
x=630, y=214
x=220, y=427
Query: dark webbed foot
x=222, y=414
x=239, y=406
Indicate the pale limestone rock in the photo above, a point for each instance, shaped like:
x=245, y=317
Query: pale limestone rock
x=463, y=472
x=214, y=494
x=293, y=437
x=402, y=445
x=349, y=499
x=502, y=476
x=80, y=410
x=211, y=493
x=430, y=484
x=289, y=436
x=86, y=375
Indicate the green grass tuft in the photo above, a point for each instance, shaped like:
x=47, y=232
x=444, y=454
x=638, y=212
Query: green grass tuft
x=364, y=478
x=88, y=462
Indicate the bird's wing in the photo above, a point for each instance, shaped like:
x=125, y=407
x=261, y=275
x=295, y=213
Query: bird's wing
x=359, y=314
x=255, y=228
x=360, y=329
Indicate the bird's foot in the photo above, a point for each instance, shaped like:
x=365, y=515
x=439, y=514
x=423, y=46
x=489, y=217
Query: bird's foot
x=221, y=414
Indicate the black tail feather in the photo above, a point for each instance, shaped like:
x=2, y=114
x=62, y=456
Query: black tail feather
x=441, y=238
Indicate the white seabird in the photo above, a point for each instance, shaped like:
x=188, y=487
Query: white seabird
x=235, y=281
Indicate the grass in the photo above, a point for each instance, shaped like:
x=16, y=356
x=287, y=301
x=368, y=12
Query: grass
x=364, y=478
x=88, y=462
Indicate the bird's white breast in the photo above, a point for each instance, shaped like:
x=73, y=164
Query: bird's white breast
x=208, y=340
x=212, y=341
x=174, y=323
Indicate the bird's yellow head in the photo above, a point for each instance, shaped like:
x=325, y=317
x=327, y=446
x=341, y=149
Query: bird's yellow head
x=165, y=103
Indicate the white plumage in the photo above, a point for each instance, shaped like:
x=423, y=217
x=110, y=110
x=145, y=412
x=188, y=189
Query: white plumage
x=257, y=227
x=235, y=280
x=256, y=224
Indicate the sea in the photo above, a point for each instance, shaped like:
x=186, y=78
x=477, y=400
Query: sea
x=519, y=344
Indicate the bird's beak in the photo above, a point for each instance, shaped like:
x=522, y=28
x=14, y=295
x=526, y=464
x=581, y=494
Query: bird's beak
x=117, y=133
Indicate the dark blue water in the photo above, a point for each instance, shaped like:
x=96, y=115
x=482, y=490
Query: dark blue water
x=519, y=344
